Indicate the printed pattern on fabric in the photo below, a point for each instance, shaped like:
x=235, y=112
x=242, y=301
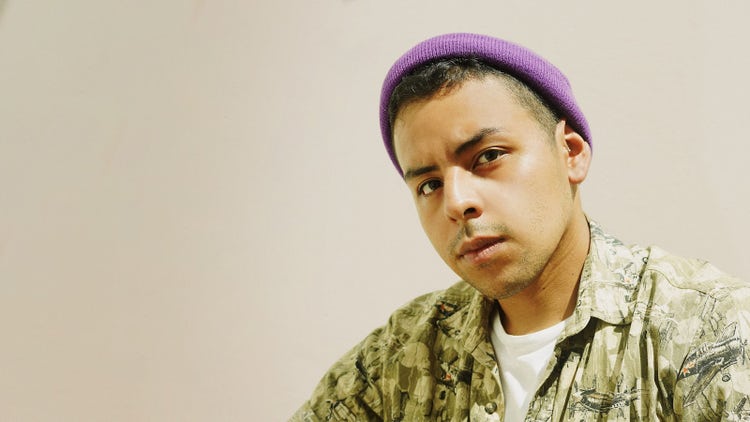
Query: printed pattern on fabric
x=653, y=337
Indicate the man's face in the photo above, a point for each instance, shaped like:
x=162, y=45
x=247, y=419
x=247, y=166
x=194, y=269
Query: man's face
x=491, y=187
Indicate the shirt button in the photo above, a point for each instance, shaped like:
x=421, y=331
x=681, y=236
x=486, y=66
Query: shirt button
x=490, y=407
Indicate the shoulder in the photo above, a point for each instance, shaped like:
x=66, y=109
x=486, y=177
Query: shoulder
x=424, y=312
x=352, y=387
x=692, y=284
x=690, y=274
x=691, y=290
x=651, y=273
x=437, y=303
x=420, y=325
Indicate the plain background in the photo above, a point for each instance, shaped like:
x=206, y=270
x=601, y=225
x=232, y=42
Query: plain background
x=197, y=217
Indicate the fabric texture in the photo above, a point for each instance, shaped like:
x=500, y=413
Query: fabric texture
x=540, y=75
x=653, y=337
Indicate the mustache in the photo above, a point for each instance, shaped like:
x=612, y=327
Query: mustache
x=471, y=229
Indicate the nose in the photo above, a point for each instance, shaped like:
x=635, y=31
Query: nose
x=461, y=198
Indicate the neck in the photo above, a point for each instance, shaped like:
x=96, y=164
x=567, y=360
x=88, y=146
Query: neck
x=553, y=296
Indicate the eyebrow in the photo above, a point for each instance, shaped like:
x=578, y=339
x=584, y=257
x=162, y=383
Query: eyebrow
x=412, y=173
x=477, y=138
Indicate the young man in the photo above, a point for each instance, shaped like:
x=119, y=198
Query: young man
x=555, y=319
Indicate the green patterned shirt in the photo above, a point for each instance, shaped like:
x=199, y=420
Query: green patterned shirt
x=653, y=337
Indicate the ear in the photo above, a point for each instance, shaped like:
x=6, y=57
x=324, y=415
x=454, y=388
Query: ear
x=577, y=155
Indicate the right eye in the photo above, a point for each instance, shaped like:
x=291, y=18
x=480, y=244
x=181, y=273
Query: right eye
x=429, y=186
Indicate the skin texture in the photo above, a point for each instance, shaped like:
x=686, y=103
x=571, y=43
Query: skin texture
x=498, y=198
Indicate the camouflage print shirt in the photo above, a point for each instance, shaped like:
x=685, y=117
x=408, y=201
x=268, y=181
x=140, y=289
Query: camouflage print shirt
x=653, y=337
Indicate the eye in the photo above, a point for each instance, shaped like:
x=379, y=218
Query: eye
x=429, y=186
x=488, y=156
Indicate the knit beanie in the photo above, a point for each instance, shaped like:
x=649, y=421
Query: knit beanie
x=523, y=64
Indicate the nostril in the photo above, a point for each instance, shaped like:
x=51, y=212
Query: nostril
x=470, y=211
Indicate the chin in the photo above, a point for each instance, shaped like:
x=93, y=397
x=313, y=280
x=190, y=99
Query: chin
x=499, y=288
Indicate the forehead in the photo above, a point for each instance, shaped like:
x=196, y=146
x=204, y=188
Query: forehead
x=454, y=116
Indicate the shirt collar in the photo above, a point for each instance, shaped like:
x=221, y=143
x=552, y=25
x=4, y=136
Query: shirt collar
x=610, y=277
x=466, y=316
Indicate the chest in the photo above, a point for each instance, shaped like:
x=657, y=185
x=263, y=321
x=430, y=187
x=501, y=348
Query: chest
x=601, y=375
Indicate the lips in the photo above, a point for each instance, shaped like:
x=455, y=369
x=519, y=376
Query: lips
x=479, y=249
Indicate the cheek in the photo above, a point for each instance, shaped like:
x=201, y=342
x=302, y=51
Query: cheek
x=533, y=201
x=550, y=208
x=544, y=182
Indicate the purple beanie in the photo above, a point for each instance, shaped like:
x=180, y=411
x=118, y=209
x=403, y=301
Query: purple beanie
x=525, y=65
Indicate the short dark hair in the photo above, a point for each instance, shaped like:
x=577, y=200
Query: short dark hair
x=443, y=75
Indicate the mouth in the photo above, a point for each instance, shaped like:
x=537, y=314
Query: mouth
x=479, y=250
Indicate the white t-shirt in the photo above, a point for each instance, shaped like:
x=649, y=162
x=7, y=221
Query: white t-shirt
x=521, y=360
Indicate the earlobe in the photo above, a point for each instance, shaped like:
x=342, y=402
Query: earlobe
x=578, y=155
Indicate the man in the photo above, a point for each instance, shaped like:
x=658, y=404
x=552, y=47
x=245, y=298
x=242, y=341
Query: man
x=555, y=319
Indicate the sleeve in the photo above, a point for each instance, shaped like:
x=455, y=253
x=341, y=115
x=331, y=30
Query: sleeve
x=713, y=381
x=349, y=391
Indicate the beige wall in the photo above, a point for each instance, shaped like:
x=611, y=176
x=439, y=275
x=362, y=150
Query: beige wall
x=197, y=217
